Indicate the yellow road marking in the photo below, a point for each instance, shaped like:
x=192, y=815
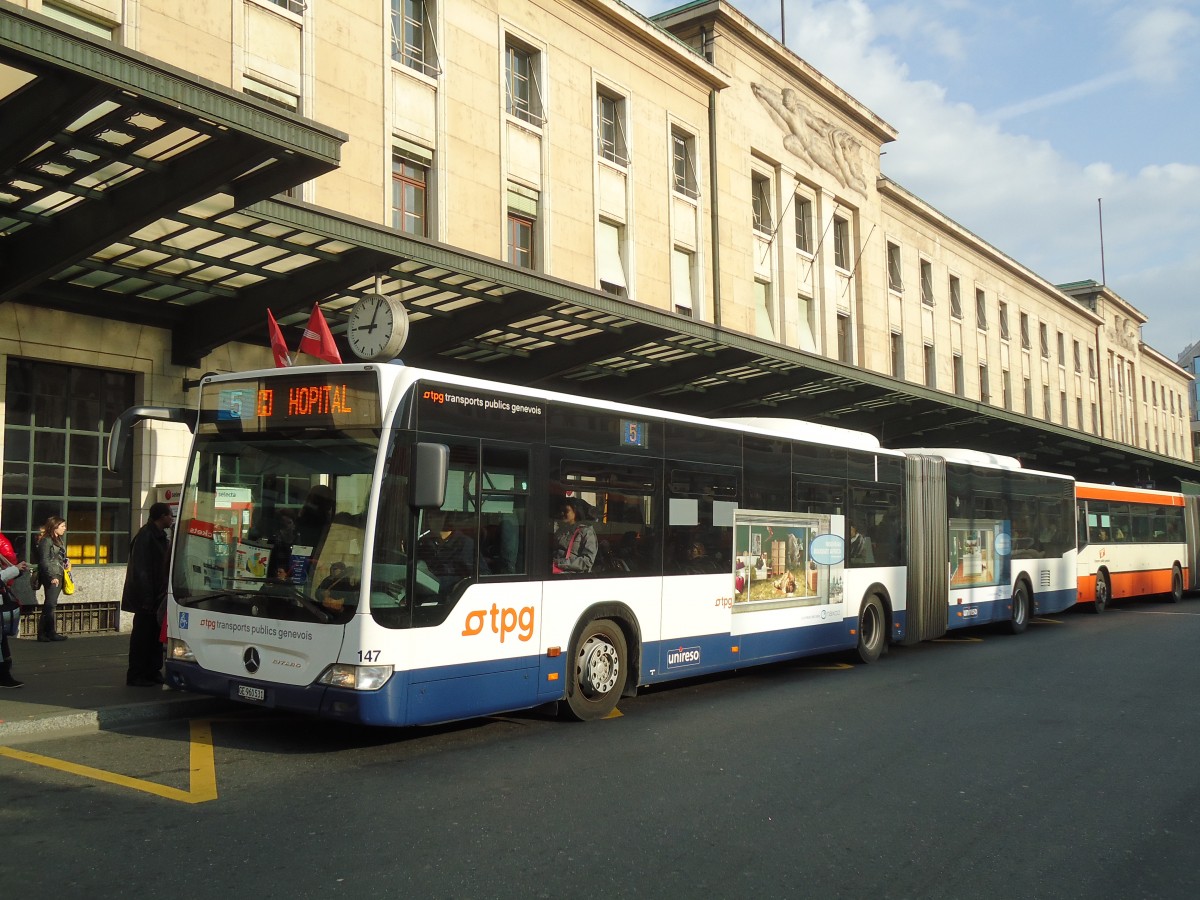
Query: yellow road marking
x=836, y=667
x=203, y=775
x=1039, y=620
x=962, y=640
x=615, y=714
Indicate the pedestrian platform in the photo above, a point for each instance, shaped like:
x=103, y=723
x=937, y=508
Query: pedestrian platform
x=79, y=685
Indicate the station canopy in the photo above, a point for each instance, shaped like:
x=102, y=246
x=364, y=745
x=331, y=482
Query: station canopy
x=133, y=191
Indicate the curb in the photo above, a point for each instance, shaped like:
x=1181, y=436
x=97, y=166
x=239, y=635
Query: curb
x=110, y=717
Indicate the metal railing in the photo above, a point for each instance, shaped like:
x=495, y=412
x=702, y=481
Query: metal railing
x=101, y=617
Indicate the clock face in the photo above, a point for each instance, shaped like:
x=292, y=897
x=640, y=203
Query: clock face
x=378, y=327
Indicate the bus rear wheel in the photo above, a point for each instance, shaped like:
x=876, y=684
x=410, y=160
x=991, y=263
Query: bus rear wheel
x=1020, y=609
x=1176, y=584
x=872, y=629
x=597, y=672
x=1103, y=593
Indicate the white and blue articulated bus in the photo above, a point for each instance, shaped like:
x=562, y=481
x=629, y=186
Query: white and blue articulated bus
x=389, y=545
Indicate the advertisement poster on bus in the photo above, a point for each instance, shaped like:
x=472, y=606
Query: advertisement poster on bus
x=980, y=552
x=787, y=559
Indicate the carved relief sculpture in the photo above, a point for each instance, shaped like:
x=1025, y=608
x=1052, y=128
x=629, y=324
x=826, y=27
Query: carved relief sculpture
x=812, y=138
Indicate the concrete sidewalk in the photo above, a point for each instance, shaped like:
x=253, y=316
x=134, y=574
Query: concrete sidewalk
x=79, y=685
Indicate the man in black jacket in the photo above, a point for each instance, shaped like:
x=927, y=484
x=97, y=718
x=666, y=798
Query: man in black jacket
x=145, y=595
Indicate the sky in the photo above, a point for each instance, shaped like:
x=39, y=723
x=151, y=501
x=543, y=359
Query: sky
x=1029, y=122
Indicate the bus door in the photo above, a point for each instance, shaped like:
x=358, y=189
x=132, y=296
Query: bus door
x=697, y=607
x=472, y=588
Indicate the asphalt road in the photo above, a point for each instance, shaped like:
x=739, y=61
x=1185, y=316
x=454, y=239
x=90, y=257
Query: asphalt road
x=1058, y=763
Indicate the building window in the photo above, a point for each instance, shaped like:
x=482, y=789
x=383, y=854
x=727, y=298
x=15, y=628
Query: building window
x=410, y=181
x=413, y=43
x=1062, y=406
x=845, y=345
x=1091, y=362
x=75, y=19
x=1078, y=365
x=522, y=226
x=1028, y=398
x=1003, y=320
x=764, y=310
x=760, y=202
x=611, y=259
x=955, y=290
x=981, y=319
x=1079, y=413
x=280, y=99
x=895, y=279
x=960, y=385
x=55, y=438
x=1025, y=342
x=804, y=241
x=897, y=340
x=926, y=282
x=1095, y=420
x=1044, y=340
x=682, y=290
x=520, y=240
x=292, y=6
x=985, y=388
x=1006, y=388
x=804, y=323
x=610, y=127
x=1062, y=349
x=1046, y=402
x=523, y=95
x=683, y=164
x=841, y=243
x=930, y=366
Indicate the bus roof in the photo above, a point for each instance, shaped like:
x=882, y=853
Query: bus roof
x=796, y=429
x=1090, y=491
x=971, y=457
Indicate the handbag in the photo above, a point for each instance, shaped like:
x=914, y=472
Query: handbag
x=20, y=588
x=68, y=583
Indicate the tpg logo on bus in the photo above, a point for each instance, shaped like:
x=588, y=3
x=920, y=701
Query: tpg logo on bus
x=504, y=622
x=683, y=656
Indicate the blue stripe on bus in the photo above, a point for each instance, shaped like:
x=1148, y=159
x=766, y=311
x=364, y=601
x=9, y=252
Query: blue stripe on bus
x=445, y=693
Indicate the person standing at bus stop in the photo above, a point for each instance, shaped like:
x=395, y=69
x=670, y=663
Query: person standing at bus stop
x=145, y=595
x=10, y=604
x=52, y=562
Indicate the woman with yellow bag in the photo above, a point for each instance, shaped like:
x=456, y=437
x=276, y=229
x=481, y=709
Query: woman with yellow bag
x=54, y=573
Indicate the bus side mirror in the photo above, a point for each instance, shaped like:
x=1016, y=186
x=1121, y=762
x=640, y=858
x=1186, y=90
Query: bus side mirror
x=430, y=468
x=118, y=436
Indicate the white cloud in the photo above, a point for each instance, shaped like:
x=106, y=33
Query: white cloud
x=1159, y=42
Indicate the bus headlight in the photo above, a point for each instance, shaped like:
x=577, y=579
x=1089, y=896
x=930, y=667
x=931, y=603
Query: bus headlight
x=356, y=678
x=179, y=651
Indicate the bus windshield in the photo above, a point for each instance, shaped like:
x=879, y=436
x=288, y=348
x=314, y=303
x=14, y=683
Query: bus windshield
x=271, y=523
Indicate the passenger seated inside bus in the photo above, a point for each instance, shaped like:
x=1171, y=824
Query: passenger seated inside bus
x=860, y=547
x=698, y=562
x=574, y=541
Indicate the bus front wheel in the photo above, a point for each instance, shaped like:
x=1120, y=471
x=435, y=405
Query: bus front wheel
x=1176, y=584
x=872, y=629
x=1103, y=593
x=1020, y=609
x=598, y=669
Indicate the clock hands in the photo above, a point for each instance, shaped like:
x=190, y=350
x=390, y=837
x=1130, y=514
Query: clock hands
x=371, y=326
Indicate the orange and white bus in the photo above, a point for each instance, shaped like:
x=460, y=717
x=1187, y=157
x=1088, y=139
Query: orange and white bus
x=1134, y=542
